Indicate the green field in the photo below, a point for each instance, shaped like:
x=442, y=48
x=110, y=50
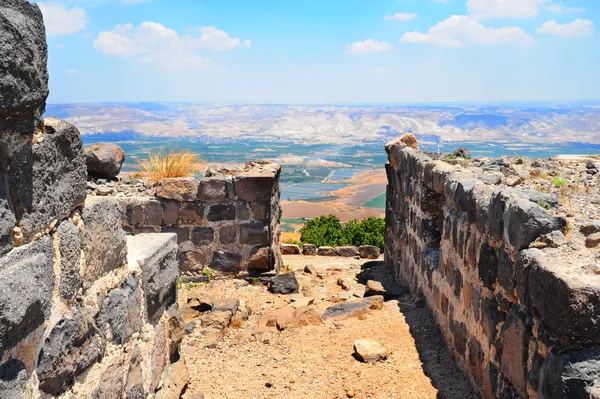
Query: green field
x=377, y=202
x=287, y=224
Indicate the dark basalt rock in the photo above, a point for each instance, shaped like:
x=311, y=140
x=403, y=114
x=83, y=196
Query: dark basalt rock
x=104, y=160
x=284, y=284
x=23, y=71
x=462, y=152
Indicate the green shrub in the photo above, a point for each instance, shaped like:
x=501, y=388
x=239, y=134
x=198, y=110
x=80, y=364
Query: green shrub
x=323, y=231
x=329, y=231
x=558, y=182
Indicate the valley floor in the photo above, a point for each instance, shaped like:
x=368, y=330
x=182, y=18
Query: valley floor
x=261, y=356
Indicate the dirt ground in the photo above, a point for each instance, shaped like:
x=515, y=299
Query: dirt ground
x=316, y=361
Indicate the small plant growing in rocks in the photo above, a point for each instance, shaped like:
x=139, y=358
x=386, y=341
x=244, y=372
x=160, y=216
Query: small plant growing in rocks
x=558, y=182
x=208, y=272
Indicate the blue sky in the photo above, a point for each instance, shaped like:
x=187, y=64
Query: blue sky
x=322, y=51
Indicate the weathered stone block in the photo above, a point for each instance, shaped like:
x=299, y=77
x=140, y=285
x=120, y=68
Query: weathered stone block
x=104, y=240
x=573, y=309
x=261, y=259
x=254, y=234
x=570, y=375
x=156, y=254
x=171, y=210
x=203, y=236
x=183, y=189
x=134, y=212
x=488, y=265
x=228, y=234
x=69, y=246
x=212, y=190
x=183, y=233
x=326, y=251
x=23, y=72
x=153, y=215
x=347, y=251
x=121, y=311
x=525, y=222
x=515, y=342
x=48, y=180
x=368, y=251
x=26, y=285
x=220, y=212
x=260, y=211
x=491, y=316
x=70, y=349
x=242, y=212
x=226, y=261
x=290, y=249
x=254, y=187
x=192, y=212
x=311, y=249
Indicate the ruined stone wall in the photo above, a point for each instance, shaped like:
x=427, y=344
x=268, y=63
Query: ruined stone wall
x=522, y=322
x=85, y=311
x=229, y=223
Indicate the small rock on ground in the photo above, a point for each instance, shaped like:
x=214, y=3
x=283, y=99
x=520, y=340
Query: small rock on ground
x=369, y=351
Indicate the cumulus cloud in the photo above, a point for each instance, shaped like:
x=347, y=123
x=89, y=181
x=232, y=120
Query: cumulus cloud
x=163, y=47
x=368, y=46
x=60, y=45
x=484, y=9
x=401, y=16
x=558, y=9
x=457, y=30
x=71, y=71
x=61, y=20
x=577, y=28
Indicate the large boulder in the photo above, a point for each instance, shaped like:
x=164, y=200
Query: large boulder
x=369, y=251
x=104, y=160
x=23, y=71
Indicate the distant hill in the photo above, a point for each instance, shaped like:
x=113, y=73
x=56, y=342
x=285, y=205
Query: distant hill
x=337, y=124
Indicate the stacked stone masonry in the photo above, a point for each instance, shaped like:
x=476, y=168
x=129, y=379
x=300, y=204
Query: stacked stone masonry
x=228, y=222
x=520, y=321
x=84, y=312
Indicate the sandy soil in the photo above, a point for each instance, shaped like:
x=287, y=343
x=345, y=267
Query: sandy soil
x=316, y=361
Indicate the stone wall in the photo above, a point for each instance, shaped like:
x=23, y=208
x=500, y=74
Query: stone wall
x=228, y=222
x=522, y=322
x=85, y=311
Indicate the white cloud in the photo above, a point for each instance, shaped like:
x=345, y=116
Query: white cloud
x=303, y=69
x=368, y=47
x=71, y=71
x=60, y=20
x=215, y=39
x=247, y=43
x=577, y=28
x=459, y=29
x=163, y=47
x=483, y=9
x=558, y=9
x=401, y=16
x=60, y=45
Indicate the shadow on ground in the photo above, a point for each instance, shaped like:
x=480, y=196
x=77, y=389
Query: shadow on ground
x=438, y=364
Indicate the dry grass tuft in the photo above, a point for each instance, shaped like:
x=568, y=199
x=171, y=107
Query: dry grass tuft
x=160, y=165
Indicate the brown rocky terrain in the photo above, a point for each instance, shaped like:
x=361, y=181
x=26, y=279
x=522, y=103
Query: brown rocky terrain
x=257, y=344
